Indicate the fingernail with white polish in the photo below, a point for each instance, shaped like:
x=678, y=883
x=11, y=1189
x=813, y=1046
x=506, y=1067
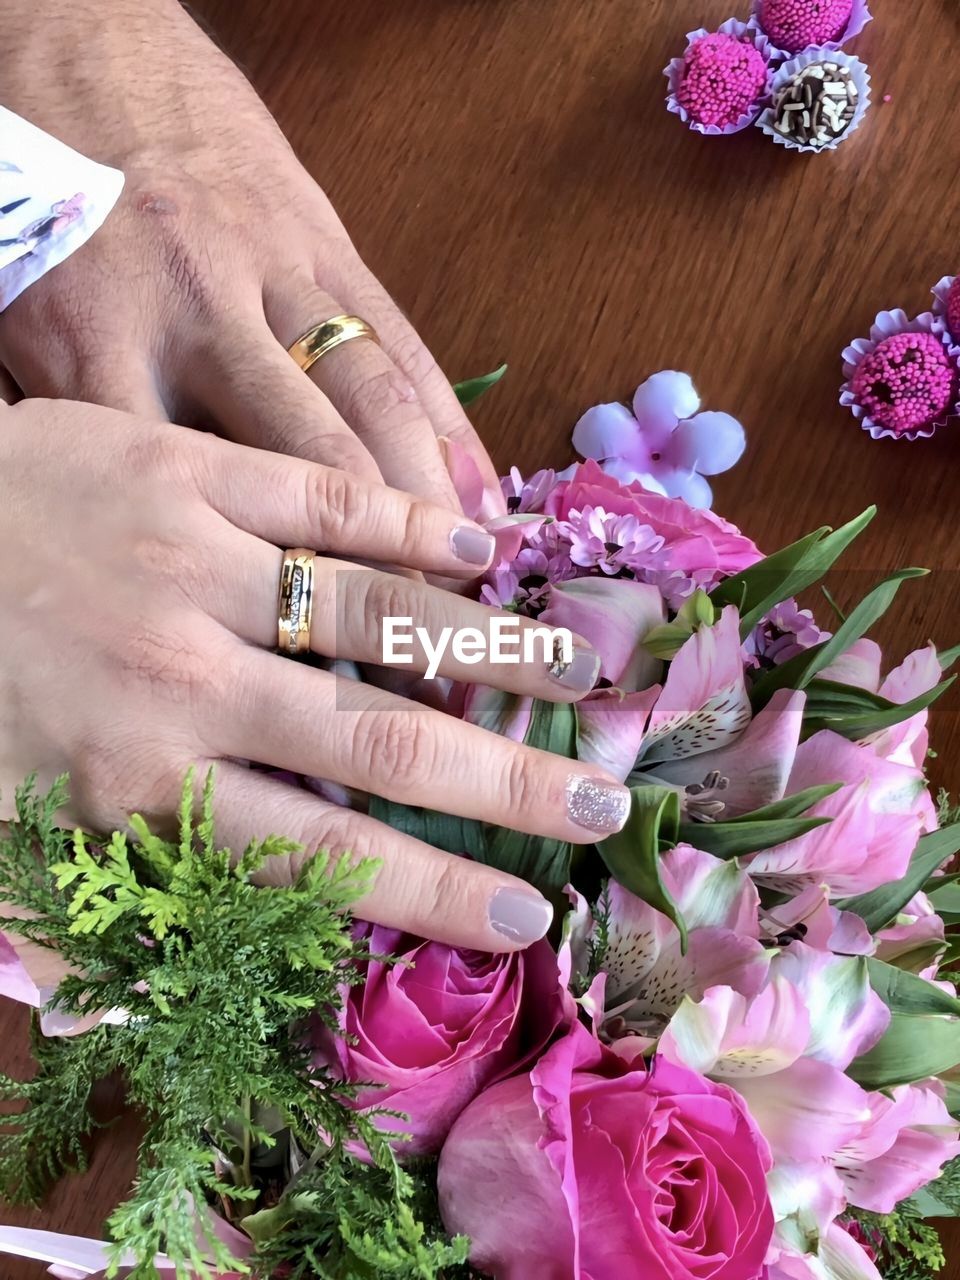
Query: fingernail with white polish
x=580, y=673
x=520, y=914
x=596, y=805
x=472, y=545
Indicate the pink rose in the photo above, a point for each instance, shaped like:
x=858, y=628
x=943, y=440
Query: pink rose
x=440, y=1025
x=698, y=544
x=593, y=1168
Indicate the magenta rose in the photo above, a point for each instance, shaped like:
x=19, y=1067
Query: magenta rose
x=592, y=1168
x=697, y=544
x=436, y=1028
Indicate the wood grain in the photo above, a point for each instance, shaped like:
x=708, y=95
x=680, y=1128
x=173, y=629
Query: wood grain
x=508, y=169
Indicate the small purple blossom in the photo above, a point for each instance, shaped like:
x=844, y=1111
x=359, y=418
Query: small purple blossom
x=609, y=542
x=664, y=442
x=785, y=631
x=527, y=495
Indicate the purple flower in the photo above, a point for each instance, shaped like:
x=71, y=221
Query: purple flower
x=786, y=631
x=664, y=443
x=527, y=495
x=609, y=542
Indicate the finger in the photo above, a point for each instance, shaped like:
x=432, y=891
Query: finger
x=376, y=398
x=294, y=717
x=258, y=396
x=362, y=291
x=368, y=616
x=416, y=888
x=289, y=502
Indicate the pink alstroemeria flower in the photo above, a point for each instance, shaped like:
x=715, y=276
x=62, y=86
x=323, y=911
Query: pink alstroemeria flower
x=877, y=816
x=646, y=973
x=906, y=742
x=664, y=442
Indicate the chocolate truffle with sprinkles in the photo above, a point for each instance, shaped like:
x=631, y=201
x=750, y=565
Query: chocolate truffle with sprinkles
x=907, y=383
x=816, y=106
x=723, y=79
x=795, y=25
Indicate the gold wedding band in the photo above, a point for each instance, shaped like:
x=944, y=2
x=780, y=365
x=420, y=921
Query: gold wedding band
x=323, y=338
x=295, y=602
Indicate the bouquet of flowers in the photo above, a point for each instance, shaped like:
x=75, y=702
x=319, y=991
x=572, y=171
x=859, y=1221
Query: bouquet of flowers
x=738, y=1056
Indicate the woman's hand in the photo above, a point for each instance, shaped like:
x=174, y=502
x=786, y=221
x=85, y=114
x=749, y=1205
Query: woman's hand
x=221, y=252
x=139, y=567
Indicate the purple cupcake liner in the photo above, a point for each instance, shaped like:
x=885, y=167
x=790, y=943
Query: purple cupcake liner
x=886, y=325
x=675, y=67
x=860, y=15
x=788, y=70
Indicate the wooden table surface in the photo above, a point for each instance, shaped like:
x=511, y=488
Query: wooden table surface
x=509, y=169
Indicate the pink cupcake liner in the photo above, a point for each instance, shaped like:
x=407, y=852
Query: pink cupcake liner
x=860, y=15
x=886, y=325
x=941, y=294
x=788, y=70
x=675, y=67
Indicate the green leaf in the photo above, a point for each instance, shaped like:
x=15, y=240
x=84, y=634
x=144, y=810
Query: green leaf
x=762, y=829
x=881, y=906
x=947, y=657
x=737, y=839
x=800, y=670
x=912, y=1048
x=665, y=641
x=786, y=573
x=473, y=388
x=907, y=993
x=790, y=806
x=857, y=725
x=442, y=830
x=632, y=856
x=544, y=863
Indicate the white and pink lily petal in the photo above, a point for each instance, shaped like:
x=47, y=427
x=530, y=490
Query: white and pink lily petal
x=847, y=1017
x=876, y=819
x=611, y=728
x=751, y=771
x=704, y=704
x=905, y=743
x=615, y=616
x=811, y=917
x=647, y=974
x=726, y=1035
x=904, y=1144
x=915, y=939
x=836, y=1255
x=813, y=1005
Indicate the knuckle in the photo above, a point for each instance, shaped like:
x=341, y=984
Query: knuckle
x=384, y=396
x=412, y=356
x=447, y=893
x=394, y=745
x=335, y=503
x=417, y=527
x=384, y=596
x=519, y=780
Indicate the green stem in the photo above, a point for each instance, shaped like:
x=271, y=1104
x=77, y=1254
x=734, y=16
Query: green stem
x=247, y=1118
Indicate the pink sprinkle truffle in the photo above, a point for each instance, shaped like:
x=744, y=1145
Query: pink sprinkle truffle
x=794, y=25
x=723, y=77
x=906, y=383
x=953, y=309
